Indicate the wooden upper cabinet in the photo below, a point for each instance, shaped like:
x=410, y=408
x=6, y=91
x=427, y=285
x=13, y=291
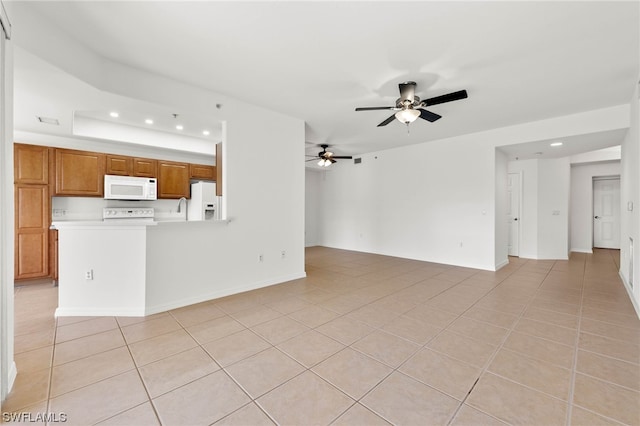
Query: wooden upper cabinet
x=144, y=167
x=119, y=165
x=79, y=173
x=31, y=164
x=173, y=180
x=130, y=166
x=201, y=171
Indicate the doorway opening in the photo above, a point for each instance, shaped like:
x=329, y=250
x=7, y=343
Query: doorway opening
x=606, y=212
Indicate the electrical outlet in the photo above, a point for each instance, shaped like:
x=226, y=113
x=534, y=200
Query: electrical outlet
x=283, y=254
x=88, y=275
x=260, y=258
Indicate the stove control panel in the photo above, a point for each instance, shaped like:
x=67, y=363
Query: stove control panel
x=127, y=213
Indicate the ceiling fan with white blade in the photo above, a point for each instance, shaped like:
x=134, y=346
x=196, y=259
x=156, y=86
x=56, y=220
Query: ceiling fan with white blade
x=326, y=158
x=409, y=106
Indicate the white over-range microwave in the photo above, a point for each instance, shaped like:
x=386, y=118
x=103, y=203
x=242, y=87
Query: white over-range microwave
x=130, y=188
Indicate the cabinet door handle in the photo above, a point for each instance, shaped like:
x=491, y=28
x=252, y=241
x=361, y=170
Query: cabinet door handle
x=597, y=217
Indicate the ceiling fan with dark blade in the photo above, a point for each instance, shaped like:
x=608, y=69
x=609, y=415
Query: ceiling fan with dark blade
x=409, y=106
x=326, y=158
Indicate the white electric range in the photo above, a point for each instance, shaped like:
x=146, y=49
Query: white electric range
x=137, y=214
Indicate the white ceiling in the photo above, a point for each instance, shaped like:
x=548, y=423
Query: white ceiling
x=318, y=61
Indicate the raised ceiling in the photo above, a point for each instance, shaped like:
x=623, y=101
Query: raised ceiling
x=519, y=61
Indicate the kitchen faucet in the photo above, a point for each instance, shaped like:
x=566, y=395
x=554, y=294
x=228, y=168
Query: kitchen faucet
x=185, y=206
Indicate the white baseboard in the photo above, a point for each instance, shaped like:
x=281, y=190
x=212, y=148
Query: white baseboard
x=99, y=312
x=502, y=264
x=221, y=293
x=174, y=304
x=579, y=250
x=634, y=302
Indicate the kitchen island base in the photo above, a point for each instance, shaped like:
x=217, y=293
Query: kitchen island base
x=139, y=269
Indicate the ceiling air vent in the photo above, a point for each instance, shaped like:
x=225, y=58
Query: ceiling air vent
x=357, y=160
x=48, y=120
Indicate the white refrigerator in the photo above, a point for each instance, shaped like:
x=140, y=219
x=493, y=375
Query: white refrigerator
x=204, y=204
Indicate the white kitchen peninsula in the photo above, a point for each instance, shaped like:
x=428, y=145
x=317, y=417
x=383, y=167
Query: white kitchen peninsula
x=102, y=268
x=141, y=268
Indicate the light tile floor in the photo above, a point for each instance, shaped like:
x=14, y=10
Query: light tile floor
x=363, y=340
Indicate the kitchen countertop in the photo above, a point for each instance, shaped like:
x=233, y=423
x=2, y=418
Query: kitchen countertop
x=100, y=223
x=124, y=223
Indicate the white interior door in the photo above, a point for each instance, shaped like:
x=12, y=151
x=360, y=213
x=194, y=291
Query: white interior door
x=513, y=215
x=606, y=213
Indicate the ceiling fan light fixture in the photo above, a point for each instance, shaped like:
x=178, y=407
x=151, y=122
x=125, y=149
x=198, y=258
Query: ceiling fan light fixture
x=407, y=115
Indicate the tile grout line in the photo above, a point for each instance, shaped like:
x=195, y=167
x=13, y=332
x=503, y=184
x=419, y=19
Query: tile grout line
x=199, y=345
x=374, y=329
x=511, y=329
x=424, y=346
x=442, y=331
x=144, y=385
x=576, y=349
x=484, y=368
x=53, y=353
x=223, y=369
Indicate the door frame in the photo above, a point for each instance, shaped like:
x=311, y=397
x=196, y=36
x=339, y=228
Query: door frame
x=519, y=224
x=593, y=220
x=8, y=371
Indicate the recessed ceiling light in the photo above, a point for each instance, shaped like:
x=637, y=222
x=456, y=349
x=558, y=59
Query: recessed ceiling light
x=556, y=144
x=179, y=127
x=148, y=121
x=114, y=114
x=48, y=120
x=206, y=132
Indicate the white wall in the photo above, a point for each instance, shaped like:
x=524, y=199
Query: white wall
x=312, y=206
x=630, y=192
x=8, y=370
x=423, y=201
x=399, y=202
x=502, y=207
x=553, y=208
x=581, y=219
x=613, y=153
